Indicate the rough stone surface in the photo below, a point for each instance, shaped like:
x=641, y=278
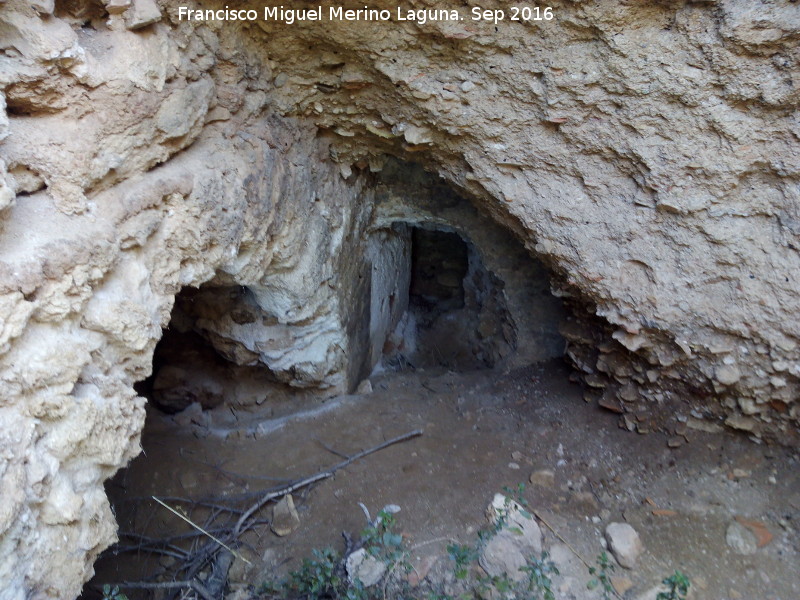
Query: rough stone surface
x=661, y=194
x=624, y=543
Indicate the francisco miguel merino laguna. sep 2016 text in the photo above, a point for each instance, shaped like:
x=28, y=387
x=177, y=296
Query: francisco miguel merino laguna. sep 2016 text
x=339, y=13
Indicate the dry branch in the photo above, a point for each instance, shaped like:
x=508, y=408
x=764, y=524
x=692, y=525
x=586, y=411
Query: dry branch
x=319, y=476
x=226, y=534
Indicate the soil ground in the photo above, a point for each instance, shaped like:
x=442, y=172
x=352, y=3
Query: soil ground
x=483, y=430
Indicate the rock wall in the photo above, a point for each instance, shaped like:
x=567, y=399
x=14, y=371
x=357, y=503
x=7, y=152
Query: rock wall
x=648, y=152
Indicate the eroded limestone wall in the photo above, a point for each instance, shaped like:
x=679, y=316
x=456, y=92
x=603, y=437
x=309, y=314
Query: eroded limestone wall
x=137, y=166
x=648, y=152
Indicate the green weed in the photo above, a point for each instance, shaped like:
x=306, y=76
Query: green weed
x=113, y=593
x=601, y=575
x=677, y=587
x=538, y=571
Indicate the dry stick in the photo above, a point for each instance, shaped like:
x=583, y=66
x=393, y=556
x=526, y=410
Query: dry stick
x=148, y=542
x=272, y=495
x=193, y=524
x=323, y=475
x=162, y=551
x=433, y=541
x=168, y=585
x=558, y=535
x=329, y=449
x=568, y=545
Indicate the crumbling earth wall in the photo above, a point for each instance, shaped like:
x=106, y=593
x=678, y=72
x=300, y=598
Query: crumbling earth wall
x=648, y=152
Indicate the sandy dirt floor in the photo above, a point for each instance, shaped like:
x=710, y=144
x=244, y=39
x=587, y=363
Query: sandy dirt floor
x=482, y=431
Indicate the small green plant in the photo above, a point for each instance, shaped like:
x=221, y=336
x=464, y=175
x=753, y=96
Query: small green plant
x=319, y=576
x=484, y=585
x=677, y=587
x=272, y=589
x=113, y=593
x=323, y=576
x=512, y=496
x=601, y=575
x=462, y=556
x=382, y=541
x=538, y=571
x=516, y=494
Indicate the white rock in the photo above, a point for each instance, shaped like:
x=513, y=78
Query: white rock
x=728, y=374
x=740, y=539
x=364, y=567
x=284, y=517
x=624, y=543
x=44, y=7
x=502, y=555
x=116, y=7
x=142, y=14
x=417, y=135
x=519, y=538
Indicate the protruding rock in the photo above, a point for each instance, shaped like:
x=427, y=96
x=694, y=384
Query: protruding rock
x=740, y=422
x=116, y=7
x=728, y=374
x=417, y=135
x=7, y=194
x=142, y=13
x=43, y=7
x=624, y=543
x=284, y=517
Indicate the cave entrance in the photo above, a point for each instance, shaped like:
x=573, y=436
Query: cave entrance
x=457, y=316
x=204, y=364
x=433, y=304
x=417, y=328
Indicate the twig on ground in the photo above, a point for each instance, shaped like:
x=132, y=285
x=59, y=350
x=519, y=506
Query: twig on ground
x=558, y=535
x=196, y=526
x=319, y=476
x=226, y=534
x=568, y=545
x=331, y=450
x=167, y=585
